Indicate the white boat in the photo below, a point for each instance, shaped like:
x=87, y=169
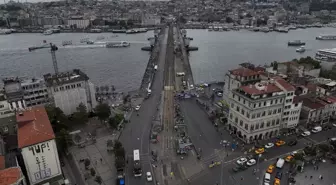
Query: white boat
x=326, y=37
x=84, y=40
x=210, y=28
x=121, y=44
x=264, y=29
x=67, y=42
x=301, y=49
x=5, y=31
x=327, y=54
x=48, y=32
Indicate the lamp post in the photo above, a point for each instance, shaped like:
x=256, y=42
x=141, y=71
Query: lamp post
x=258, y=165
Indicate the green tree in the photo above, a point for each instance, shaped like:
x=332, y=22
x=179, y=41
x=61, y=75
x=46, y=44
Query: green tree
x=103, y=111
x=57, y=118
x=113, y=123
x=98, y=179
x=93, y=172
x=63, y=140
x=81, y=114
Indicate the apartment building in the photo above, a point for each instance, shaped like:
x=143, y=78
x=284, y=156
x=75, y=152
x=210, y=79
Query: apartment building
x=35, y=92
x=256, y=111
x=292, y=106
x=7, y=117
x=68, y=89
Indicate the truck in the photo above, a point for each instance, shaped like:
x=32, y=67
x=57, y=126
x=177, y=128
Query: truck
x=120, y=176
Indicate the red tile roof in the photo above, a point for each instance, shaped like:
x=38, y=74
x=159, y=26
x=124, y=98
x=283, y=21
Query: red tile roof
x=297, y=99
x=313, y=103
x=2, y=162
x=244, y=72
x=252, y=89
x=287, y=86
x=33, y=127
x=10, y=176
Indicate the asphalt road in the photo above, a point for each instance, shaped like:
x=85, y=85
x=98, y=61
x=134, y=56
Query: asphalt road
x=136, y=133
x=200, y=129
x=223, y=175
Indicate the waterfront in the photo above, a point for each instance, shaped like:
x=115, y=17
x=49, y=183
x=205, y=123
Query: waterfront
x=124, y=67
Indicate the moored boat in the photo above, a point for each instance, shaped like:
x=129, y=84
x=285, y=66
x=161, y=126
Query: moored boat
x=301, y=49
x=296, y=43
x=48, y=32
x=121, y=44
x=326, y=37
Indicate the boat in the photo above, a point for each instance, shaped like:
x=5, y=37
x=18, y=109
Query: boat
x=84, y=40
x=283, y=30
x=210, y=28
x=327, y=54
x=321, y=58
x=56, y=30
x=48, y=32
x=95, y=31
x=119, y=31
x=301, y=49
x=136, y=30
x=100, y=37
x=326, y=37
x=296, y=43
x=121, y=44
x=5, y=31
x=67, y=42
x=256, y=29
x=89, y=42
x=264, y=29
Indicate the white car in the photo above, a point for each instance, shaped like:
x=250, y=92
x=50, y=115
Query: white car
x=305, y=133
x=251, y=162
x=137, y=107
x=317, y=129
x=149, y=176
x=241, y=160
x=269, y=145
x=334, y=124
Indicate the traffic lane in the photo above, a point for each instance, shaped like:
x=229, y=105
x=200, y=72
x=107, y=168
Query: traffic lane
x=131, y=179
x=323, y=135
x=200, y=128
x=207, y=177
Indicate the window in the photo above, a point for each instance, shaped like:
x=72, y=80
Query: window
x=274, y=111
x=231, y=116
x=263, y=113
x=2, y=106
x=232, y=105
x=259, y=104
x=258, y=115
x=264, y=103
x=252, y=127
x=79, y=85
x=276, y=101
x=262, y=124
x=242, y=111
x=279, y=110
x=269, y=112
x=246, y=127
x=241, y=123
x=277, y=122
x=296, y=104
x=247, y=115
x=281, y=100
x=268, y=124
x=253, y=116
x=236, y=120
x=62, y=88
x=73, y=86
x=273, y=122
x=271, y=102
x=238, y=98
x=257, y=126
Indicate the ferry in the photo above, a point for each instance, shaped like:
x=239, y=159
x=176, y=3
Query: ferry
x=296, y=43
x=122, y=44
x=327, y=54
x=326, y=37
x=301, y=49
x=48, y=32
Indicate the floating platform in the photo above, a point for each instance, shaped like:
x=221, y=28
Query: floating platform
x=147, y=48
x=192, y=48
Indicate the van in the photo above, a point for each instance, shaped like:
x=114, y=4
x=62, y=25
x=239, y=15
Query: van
x=280, y=163
x=267, y=178
x=317, y=129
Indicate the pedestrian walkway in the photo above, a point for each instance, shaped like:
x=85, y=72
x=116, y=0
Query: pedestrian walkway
x=311, y=177
x=101, y=161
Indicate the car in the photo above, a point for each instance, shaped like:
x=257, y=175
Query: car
x=270, y=169
x=137, y=107
x=242, y=160
x=334, y=124
x=149, y=176
x=317, y=129
x=269, y=145
x=238, y=168
x=280, y=143
x=305, y=133
x=289, y=158
x=278, y=175
x=251, y=162
x=219, y=94
x=260, y=150
x=276, y=182
x=292, y=143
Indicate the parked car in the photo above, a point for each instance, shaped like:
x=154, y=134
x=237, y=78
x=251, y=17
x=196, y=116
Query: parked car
x=292, y=142
x=317, y=129
x=238, y=168
x=289, y=158
x=305, y=133
x=270, y=169
x=260, y=150
x=280, y=143
x=278, y=175
x=149, y=176
x=251, y=162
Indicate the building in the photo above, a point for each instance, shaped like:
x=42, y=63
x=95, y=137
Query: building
x=69, y=89
x=7, y=117
x=36, y=140
x=256, y=110
x=35, y=92
x=292, y=108
x=150, y=20
x=14, y=93
x=236, y=78
x=78, y=23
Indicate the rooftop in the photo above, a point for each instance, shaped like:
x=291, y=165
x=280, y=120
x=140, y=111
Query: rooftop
x=287, y=86
x=32, y=81
x=33, y=127
x=75, y=75
x=259, y=89
x=10, y=176
x=244, y=72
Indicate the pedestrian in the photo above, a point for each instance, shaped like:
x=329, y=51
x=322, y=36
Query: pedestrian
x=311, y=177
x=101, y=160
x=306, y=176
x=320, y=177
x=317, y=167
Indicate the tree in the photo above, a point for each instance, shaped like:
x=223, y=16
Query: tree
x=87, y=163
x=57, y=118
x=63, y=140
x=103, y=111
x=81, y=115
x=93, y=172
x=229, y=20
x=98, y=179
x=113, y=123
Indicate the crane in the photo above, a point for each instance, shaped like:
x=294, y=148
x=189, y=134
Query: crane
x=53, y=49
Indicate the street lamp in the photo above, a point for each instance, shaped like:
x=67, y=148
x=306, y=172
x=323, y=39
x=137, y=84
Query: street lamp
x=258, y=165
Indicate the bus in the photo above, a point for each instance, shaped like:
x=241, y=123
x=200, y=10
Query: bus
x=136, y=162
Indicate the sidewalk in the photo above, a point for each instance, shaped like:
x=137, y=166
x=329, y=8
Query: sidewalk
x=101, y=160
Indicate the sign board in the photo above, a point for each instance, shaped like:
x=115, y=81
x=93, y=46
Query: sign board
x=41, y=161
